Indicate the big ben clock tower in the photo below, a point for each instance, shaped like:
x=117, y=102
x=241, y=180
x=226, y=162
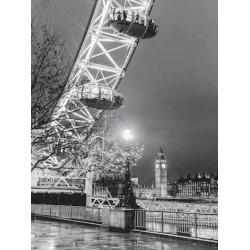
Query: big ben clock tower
x=161, y=174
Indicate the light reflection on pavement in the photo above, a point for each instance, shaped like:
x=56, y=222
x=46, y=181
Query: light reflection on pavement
x=50, y=235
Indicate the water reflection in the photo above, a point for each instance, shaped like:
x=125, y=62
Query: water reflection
x=57, y=235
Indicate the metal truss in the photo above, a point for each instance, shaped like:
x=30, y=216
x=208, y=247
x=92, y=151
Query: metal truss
x=168, y=206
x=100, y=202
x=103, y=59
x=102, y=198
x=178, y=206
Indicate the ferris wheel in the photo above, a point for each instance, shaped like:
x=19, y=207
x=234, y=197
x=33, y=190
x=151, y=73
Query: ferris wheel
x=111, y=37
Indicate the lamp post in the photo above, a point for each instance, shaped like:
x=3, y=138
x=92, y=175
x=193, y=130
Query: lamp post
x=127, y=197
x=128, y=135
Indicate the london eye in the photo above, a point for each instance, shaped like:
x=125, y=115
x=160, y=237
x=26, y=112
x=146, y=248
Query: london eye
x=108, y=44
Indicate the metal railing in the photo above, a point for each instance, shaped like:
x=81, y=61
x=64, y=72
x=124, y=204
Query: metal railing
x=185, y=207
x=62, y=181
x=197, y=225
x=90, y=214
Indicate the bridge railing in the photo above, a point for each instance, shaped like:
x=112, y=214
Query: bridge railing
x=90, y=214
x=196, y=225
x=170, y=206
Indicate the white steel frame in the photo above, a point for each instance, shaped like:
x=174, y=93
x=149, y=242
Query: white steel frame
x=160, y=205
x=100, y=202
x=103, y=60
x=177, y=206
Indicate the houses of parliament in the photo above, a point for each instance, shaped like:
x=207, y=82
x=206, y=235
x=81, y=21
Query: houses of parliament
x=200, y=187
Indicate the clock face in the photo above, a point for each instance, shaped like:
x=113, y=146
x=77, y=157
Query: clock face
x=157, y=165
x=163, y=165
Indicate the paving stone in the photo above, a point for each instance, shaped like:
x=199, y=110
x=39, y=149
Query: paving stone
x=50, y=235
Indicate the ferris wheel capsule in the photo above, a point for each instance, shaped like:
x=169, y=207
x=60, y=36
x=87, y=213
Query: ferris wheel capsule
x=100, y=97
x=132, y=23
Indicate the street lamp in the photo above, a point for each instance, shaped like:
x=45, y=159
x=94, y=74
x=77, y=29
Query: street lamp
x=128, y=135
x=127, y=197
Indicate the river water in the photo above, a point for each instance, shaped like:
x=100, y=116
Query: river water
x=49, y=235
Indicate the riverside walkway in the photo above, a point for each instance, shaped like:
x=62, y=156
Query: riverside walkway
x=50, y=235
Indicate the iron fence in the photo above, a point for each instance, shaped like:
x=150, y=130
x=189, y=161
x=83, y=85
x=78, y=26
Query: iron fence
x=197, y=225
x=90, y=214
x=188, y=224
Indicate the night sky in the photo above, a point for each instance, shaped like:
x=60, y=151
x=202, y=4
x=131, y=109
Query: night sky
x=170, y=87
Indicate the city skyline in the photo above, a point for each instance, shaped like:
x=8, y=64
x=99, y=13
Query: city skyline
x=170, y=179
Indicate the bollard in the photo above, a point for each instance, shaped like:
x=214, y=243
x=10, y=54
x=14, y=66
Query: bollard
x=162, y=222
x=136, y=218
x=195, y=224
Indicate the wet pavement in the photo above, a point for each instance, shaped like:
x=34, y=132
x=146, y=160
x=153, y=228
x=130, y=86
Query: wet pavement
x=50, y=235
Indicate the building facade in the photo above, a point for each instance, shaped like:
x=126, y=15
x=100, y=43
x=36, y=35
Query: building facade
x=161, y=174
x=159, y=189
x=200, y=187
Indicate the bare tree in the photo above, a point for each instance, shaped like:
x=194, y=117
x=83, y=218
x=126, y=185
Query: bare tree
x=50, y=65
x=104, y=152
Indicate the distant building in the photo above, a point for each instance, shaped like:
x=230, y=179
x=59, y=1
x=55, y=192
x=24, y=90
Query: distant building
x=201, y=186
x=161, y=174
x=135, y=180
x=145, y=191
x=158, y=190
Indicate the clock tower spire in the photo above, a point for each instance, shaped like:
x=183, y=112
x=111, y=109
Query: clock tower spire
x=161, y=174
